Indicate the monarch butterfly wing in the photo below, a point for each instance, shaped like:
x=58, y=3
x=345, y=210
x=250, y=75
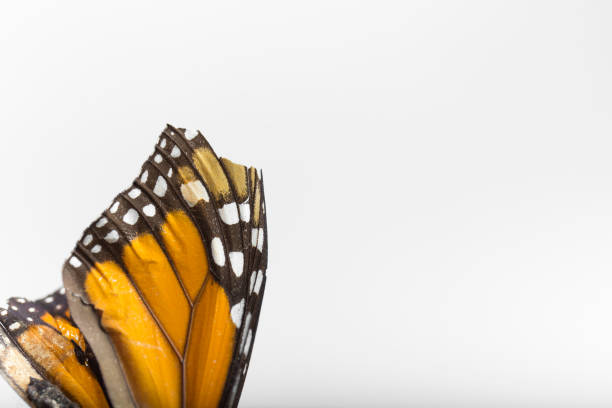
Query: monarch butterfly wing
x=160, y=282
x=45, y=358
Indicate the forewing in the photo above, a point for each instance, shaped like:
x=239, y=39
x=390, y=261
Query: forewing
x=167, y=283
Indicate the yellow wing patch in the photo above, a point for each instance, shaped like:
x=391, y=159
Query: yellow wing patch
x=153, y=275
x=184, y=245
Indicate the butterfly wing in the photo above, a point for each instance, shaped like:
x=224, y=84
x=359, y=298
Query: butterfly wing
x=44, y=356
x=167, y=284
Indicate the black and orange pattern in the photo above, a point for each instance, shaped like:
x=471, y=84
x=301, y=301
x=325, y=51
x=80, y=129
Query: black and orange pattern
x=167, y=285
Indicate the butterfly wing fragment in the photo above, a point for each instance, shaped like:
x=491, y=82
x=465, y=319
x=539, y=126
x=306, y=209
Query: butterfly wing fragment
x=44, y=356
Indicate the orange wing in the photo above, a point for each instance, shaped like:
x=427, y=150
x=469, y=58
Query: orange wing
x=167, y=284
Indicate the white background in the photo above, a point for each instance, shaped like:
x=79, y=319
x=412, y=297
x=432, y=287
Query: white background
x=438, y=178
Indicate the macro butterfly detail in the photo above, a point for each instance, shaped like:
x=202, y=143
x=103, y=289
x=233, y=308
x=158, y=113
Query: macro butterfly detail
x=162, y=292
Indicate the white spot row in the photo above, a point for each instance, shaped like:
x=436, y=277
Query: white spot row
x=229, y=213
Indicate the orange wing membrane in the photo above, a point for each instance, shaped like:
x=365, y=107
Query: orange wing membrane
x=167, y=284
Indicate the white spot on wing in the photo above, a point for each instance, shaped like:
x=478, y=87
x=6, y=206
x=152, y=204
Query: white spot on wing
x=144, y=177
x=134, y=193
x=193, y=192
x=112, y=237
x=158, y=159
x=190, y=134
x=115, y=207
x=160, y=187
x=31, y=310
x=131, y=217
x=14, y=326
x=96, y=249
x=49, y=299
x=260, y=239
x=245, y=212
x=163, y=143
x=237, y=312
x=176, y=152
x=237, y=261
x=102, y=222
x=217, y=251
x=87, y=240
x=3, y=313
x=149, y=210
x=20, y=300
x=229, y=213
x=76, y=262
